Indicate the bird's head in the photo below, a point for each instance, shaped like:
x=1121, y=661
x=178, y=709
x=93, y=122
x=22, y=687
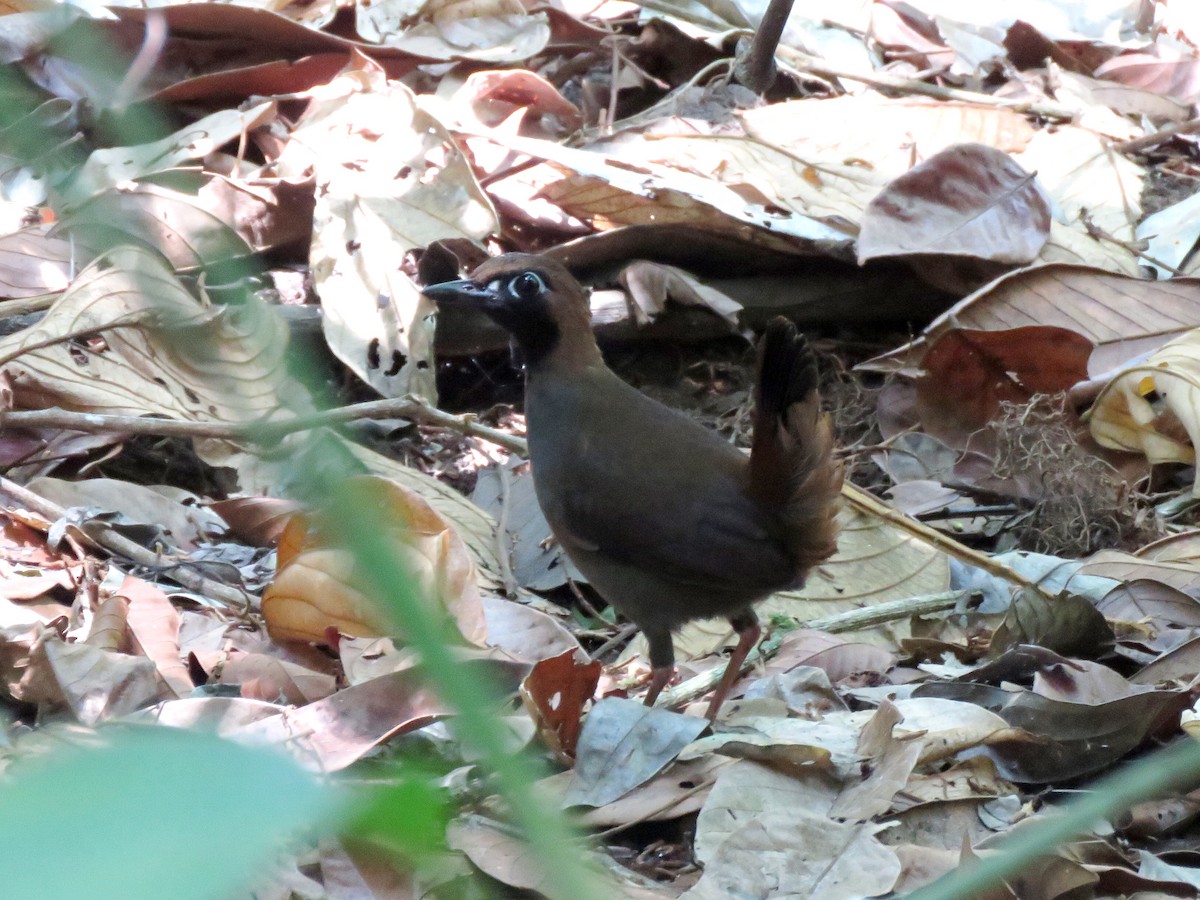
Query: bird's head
x=533, y=297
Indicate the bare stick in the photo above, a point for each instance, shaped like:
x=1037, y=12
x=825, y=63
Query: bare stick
x=1135, y=145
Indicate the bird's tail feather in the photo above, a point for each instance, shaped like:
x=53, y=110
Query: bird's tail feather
x=793, y=445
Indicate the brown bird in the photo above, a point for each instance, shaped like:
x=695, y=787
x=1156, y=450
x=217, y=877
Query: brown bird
x=667, y=520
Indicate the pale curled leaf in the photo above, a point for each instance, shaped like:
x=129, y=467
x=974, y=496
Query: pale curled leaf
x=498, y=31
x=32, y=263
x=476, y=528
x=1086, y=178
x=1153, y=407
x=676, y=791
x=154, y=623
x=747, y=789
x=176, y=514
x=111, y=166
x=787, y=854
x=526, y=633
x=93, y=684
x=651, y=285
x=501, y=854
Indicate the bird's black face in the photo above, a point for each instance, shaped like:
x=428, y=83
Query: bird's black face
x=519, y=302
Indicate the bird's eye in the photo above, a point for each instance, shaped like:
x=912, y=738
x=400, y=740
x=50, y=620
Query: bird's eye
x=527, y=285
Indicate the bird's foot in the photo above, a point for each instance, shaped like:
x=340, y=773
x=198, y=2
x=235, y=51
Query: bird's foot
x=660, y=677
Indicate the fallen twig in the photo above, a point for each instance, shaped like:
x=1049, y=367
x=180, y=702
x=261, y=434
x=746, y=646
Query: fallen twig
x=854, y=620
x=119, y=545
x=803, y=63
x=261, y=432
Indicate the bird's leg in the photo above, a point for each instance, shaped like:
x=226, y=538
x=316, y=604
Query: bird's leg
x=662, y=663
x=746, y=625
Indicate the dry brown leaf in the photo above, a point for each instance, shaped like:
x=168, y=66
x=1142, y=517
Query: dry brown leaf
x=476, y=528
x=974, y=778
x=176, y=223
x=525, y=633
x=32, y=262
x=1116, y=313
x=798, y=853
x=316, y=588
x=175, y=513
x=1121, y=566
x=330, y=734
x=499, y=853
x=678, y=790
x=1087, y=93
x=1085, y=177
x=651, y=285
x=259, y=521
x=555, y=694
x=263, y=677
x=1174, y=77
x=889, y=134
x=28, y=567
x=969, y=374
x=154, y=623
x=968, y=200
x=495, y=95
x=112, y=166
x=110, y=626
x=624, y=744
x=497, y=31
x=92, y=683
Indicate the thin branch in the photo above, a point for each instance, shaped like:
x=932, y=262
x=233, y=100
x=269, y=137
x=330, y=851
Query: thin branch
x=804, y=63
x=1164, y=134
x=854, y=620
x=262, y=432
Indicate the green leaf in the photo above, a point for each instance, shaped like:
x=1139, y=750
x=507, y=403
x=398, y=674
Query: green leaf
x=155, y=812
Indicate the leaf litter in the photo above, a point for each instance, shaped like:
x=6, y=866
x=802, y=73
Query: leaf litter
x=1023, y=385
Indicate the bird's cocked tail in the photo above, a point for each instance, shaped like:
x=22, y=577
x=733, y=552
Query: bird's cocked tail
x=793, y=446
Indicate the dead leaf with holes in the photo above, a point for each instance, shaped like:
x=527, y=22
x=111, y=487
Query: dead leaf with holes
x=389, y=180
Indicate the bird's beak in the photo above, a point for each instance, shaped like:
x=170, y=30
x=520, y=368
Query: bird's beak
x=459, y=293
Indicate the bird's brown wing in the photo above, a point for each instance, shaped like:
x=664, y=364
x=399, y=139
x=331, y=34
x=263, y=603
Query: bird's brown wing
x=646, y=486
